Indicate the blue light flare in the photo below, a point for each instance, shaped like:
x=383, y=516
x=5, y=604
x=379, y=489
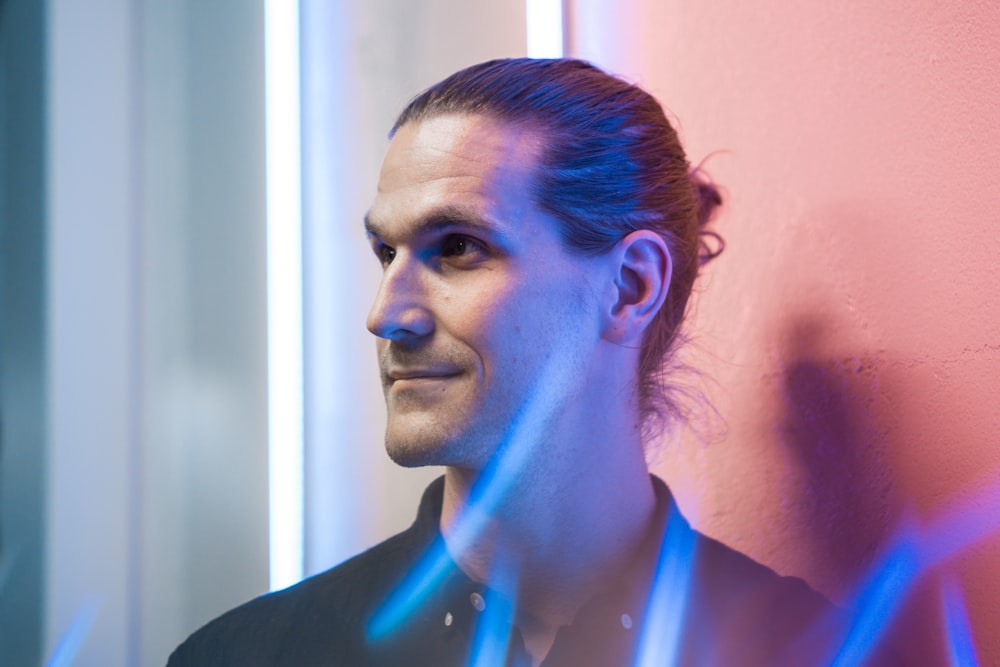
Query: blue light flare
x=915, y=551
x=962, y=524
x=495, y=623
x=961, y=648
x=418, y=584
x=69, y=644
x=879, y=599
x=659, y=643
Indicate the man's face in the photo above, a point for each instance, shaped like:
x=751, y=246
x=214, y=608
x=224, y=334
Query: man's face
x=480, y=302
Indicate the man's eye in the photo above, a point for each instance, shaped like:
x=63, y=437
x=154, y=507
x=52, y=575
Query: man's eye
x=457, y=245
x=385, y=254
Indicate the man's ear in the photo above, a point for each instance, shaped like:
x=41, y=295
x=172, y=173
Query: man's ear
x=643, y=267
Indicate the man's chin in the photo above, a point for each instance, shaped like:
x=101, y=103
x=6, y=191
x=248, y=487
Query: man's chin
x=414, y=441
x=408, y=459
x=415, y=455
x=416, y=438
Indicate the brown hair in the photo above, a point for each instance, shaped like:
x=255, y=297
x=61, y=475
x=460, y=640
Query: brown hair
x=611, y=164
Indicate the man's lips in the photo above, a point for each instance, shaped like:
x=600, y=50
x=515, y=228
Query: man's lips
x=401, y=374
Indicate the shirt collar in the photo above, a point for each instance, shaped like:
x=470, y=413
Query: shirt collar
x=610, y=619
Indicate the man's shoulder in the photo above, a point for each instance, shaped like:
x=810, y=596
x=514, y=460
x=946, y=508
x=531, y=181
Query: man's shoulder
x=324, y=615
x=731, y=579
x=725, y=583
x=763, y=617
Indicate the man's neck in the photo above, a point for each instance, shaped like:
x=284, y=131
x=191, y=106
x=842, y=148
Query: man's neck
x=550, y=535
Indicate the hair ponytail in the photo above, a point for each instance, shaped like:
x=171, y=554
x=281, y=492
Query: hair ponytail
x=709, y=198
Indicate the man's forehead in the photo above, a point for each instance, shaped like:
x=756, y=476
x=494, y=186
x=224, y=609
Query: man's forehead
x=454, y=167
x=458, y=146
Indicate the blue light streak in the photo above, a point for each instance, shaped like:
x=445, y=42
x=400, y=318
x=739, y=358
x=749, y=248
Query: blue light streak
x=961, y=648
x=879, y=600
x=660, y=641
x=418, y=584
x=495, y=623
x=69, y=644
x=915, y=551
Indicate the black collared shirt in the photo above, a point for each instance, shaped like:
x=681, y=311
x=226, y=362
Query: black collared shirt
x=684, y=599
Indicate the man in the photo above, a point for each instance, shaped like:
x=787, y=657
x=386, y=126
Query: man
x=539, y=230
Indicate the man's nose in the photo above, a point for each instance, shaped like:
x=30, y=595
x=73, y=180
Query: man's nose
x=400, y=310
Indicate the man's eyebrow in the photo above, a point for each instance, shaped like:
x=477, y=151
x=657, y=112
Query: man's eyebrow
x=444, y=218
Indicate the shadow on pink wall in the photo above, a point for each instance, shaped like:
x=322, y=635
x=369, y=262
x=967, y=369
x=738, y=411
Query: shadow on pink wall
x=828, y=429
x=896, y=563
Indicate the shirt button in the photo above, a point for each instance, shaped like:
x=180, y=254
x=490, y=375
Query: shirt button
x=478, y=603
x=626, y=621
x=448, y=619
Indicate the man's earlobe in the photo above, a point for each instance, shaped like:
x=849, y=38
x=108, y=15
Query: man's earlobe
x=643, y=268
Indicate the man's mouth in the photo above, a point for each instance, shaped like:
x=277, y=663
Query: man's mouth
x=414, y=376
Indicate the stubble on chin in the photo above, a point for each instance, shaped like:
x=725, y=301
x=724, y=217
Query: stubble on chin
x=414, y=439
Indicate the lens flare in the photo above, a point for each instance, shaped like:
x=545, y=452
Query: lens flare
x=878, y=601
x=69, y=645
x=659, y=643
x=961, y=648
x=916, y=550
x=493, y=629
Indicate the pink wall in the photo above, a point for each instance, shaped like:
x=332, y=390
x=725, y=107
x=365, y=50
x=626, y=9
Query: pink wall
x=852, y=327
